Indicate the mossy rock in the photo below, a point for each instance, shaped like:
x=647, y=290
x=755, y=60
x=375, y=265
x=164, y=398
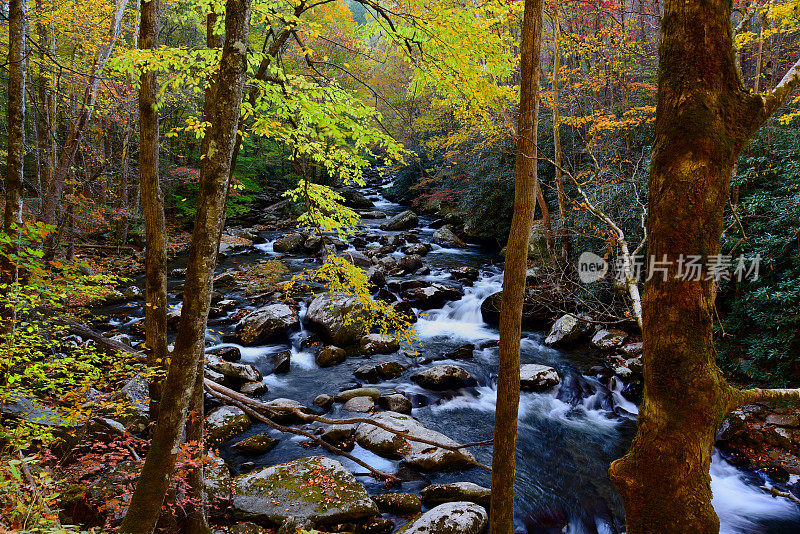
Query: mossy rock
x=318, y=489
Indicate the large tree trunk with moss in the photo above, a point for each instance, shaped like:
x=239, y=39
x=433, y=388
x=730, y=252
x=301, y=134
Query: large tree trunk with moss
x=525, y=196
x=155, y=260
x=12, y=215
x=703, y=119
x=189, y=345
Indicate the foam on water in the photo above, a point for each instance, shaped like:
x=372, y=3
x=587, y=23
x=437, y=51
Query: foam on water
x=738, y=503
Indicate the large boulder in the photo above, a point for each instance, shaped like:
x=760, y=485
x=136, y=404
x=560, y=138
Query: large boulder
x=567, y=329
x=443, y=377
x=445, y=237
x=607, y=339
x=330, y=355
x=355, y=199
x=340, y=317
x=225, y=422
x=379, y=344
x=318, y=489
x=395, y=402
x=431, y=296
x=535, y=377
x=240, y=372
x=266, y=324
x=135, y=397
x=217, y=484
x=410, y=263
x=403, y=221
x=450, y=518
x=456, y=491
x=403, y=504
x=289, y=243
x=414, y=453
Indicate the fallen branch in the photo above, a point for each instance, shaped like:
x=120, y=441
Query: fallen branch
x=380, y=475
x=775, y=492
x=324, y=420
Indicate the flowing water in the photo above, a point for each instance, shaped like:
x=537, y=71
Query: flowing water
x=567, y=437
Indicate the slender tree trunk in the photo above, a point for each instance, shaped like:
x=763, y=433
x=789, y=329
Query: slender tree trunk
x=52, y=195
x=196, y=521
x=562, y=199
x=155, y=318
x=189, y=344
x=525, y=194
x=704, y=117
x=12, y=215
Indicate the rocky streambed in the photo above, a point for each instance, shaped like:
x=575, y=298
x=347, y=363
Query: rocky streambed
x=311, y=352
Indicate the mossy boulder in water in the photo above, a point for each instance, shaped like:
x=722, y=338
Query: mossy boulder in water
x=450, y=518
x=266, y=324
x=225, y=422
x=339, y=317
x=318, y=489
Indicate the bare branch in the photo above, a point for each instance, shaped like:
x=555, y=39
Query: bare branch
x=781, y=93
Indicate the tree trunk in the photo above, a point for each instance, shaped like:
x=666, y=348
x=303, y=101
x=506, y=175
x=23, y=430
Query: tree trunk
x=196, y=520
x=47, y=106
x=214, y=175
x=155, y=316
x=704, y=118
x=51, y=200
x=562, y=199
x=525, y=194
x=12, y=216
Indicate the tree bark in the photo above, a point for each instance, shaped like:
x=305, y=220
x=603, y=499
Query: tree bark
x=12, y=215
x=562, y=199
x=525, y=196
x=189, y=344
x=704, y=117
x=155, y=260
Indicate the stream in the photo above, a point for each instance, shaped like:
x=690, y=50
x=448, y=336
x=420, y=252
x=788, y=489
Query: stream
x=567, y=437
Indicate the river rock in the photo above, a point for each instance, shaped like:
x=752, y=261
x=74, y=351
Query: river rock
x=253, y=389
x=409, y=263
x=535, y=377
x=266, y=324
x=445, y=237
x=346, y=395
x=289, y=243
x=225, y=422
x=443, y=377
x=414, y=453
x=330, y=355
x=395, y=402
x=256, y=444
x=367, y=372
x=229, y=354
x=403, y=221
x=339, y=433
x=402, y=504
x=379, y=344
x=359, y=405
x=465, y=274
x=785, y=420
x=323, y=401
x=632, y=350
x=281, y=362
x=431, y=296
x=450, y=518
x=375, y=214
x=607, y=339
x=567, y=329
x=457, y=491
x=133, y=292
x=464, y=352
x=417, y=249
x=355, y=199
x=318, y=489
x=217, y=483
x=376, y=276
x=357, y=258
x=242, y=372
x=389, y=370
x=339, y=317
x=135, y=397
